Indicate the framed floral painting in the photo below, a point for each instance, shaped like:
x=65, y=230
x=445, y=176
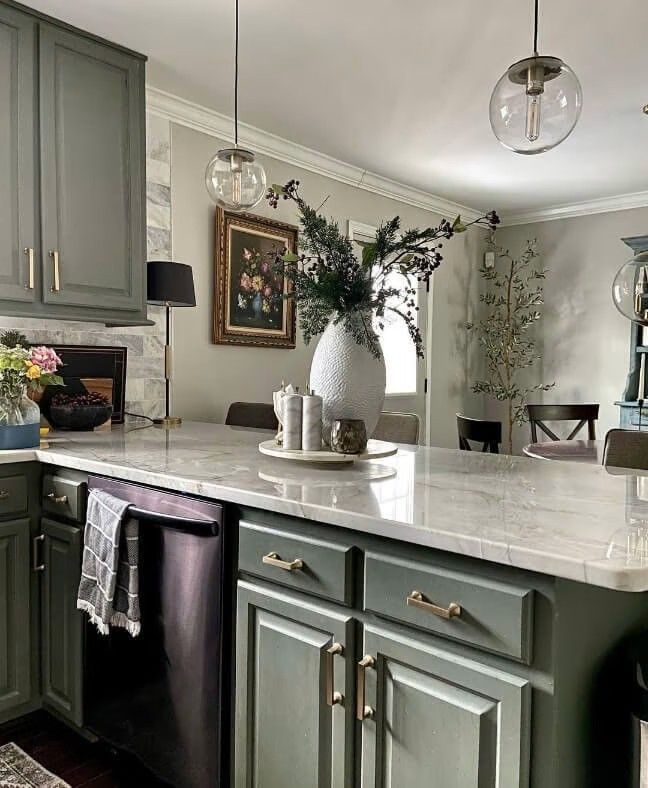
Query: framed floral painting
x=250, y=305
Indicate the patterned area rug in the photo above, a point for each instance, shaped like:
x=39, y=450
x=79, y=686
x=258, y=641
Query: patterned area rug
x=18, y=770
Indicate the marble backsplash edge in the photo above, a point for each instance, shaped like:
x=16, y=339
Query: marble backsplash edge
x=145, y=389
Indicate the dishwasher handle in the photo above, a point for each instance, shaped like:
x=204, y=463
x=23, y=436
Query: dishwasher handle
x=197, y=526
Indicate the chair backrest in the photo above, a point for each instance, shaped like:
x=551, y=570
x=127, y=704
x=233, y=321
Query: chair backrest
x=259, y=415
x=626, y=449
x=583, y=414
x=488, y=433
x=398, y=428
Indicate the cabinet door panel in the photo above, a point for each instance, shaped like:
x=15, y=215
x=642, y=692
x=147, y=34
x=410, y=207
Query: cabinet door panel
x=15, y=641
x=286, y=734
x=17, y=153
x=62, y=623
x=91, y=169
x=441, y=719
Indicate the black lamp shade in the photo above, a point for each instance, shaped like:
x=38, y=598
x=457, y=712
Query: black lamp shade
x=169, y=284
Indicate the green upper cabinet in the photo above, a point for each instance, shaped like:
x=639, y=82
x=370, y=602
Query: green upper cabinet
x=436, y=713
x=287, y=733
x=18, y=194
x=15, y=639
x=91, y=116
x=72, y=111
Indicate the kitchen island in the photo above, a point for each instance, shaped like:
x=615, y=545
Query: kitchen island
x=437, y=610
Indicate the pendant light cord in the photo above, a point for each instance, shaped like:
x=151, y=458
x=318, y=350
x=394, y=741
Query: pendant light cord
x=535, y=29
x=236, y=55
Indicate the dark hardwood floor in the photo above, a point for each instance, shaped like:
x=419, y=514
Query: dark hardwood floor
x=72, y=758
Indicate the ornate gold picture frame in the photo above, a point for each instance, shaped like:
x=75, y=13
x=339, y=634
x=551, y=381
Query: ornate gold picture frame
x=250, y=304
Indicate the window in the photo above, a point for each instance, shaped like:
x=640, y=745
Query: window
x=400, y=356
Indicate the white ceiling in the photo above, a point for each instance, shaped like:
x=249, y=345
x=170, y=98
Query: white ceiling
x=401, y=87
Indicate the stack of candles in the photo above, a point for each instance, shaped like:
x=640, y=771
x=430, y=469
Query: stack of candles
x=302, y=422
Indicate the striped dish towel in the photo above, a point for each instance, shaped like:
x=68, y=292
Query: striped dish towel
x=109, y=587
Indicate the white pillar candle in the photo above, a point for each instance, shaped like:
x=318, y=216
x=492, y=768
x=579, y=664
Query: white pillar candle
x=312, y=423
x=292, y=421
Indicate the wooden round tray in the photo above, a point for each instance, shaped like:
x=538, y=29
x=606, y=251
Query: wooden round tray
x=375, y=451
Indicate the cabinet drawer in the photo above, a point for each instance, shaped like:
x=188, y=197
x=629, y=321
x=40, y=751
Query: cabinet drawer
x=296, y=561
x=65, y=496
x=491, y=615
x=13, y=495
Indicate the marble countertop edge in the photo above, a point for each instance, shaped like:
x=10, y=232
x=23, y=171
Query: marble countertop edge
x=604, y=573
x=558, y=519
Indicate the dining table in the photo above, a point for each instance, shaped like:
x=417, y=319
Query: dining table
x=587, y=451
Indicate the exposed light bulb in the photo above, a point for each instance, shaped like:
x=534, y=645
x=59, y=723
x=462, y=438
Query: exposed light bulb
x=235, y=166
x=534, y=91
x=641, y=294
x=534, y=104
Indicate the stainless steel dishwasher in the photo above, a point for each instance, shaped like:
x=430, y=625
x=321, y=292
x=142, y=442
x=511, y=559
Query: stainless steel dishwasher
x=160, y=696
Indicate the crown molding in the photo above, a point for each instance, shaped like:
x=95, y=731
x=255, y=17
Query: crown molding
x=620, y=202
x=207, y=121
x=215, y=124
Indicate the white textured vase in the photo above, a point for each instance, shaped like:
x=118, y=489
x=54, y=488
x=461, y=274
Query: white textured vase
x=350, y=381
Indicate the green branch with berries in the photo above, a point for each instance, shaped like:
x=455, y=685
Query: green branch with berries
x=329, y=282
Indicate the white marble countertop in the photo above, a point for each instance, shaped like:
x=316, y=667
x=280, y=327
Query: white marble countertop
x=564, y=519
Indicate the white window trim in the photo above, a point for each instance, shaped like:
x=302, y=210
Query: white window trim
x=359, y=231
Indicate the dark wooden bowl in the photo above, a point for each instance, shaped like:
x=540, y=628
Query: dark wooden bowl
x=86, y=417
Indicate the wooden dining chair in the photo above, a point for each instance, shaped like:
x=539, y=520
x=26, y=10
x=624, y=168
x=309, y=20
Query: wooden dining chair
x=583, y=414
x=398, y=428
x=259, y=415
x=626, y=449
x=488, y=433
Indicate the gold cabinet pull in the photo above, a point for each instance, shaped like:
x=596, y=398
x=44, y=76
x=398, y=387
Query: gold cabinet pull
x=29, y=251
x=4, y=494
x=415, y=599
x=332, y=697
x=56, y=285
x=363, y=712
x=36, y=566
x=273, y=559
x=54, y=498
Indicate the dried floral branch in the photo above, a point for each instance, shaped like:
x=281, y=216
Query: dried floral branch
x=331, y=283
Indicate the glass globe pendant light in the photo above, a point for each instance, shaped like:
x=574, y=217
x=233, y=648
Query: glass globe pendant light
x=536, y=103
x=630, y=296
x=234, y=180
x=630, y=289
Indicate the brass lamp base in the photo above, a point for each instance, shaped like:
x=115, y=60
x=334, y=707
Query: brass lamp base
x=168, y=422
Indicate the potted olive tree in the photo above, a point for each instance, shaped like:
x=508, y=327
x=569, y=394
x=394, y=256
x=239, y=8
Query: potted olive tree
x=513, y=299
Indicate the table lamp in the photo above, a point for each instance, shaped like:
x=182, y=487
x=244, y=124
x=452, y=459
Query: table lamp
x=169, y=285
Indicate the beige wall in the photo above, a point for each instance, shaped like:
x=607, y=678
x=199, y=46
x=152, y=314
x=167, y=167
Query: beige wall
x=584, y=339
x=208, y=377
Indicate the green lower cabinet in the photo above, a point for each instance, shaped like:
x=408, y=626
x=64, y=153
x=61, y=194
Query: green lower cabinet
x=287, y=733
x=61, y=623
x=15, y=639
x=440, y=719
